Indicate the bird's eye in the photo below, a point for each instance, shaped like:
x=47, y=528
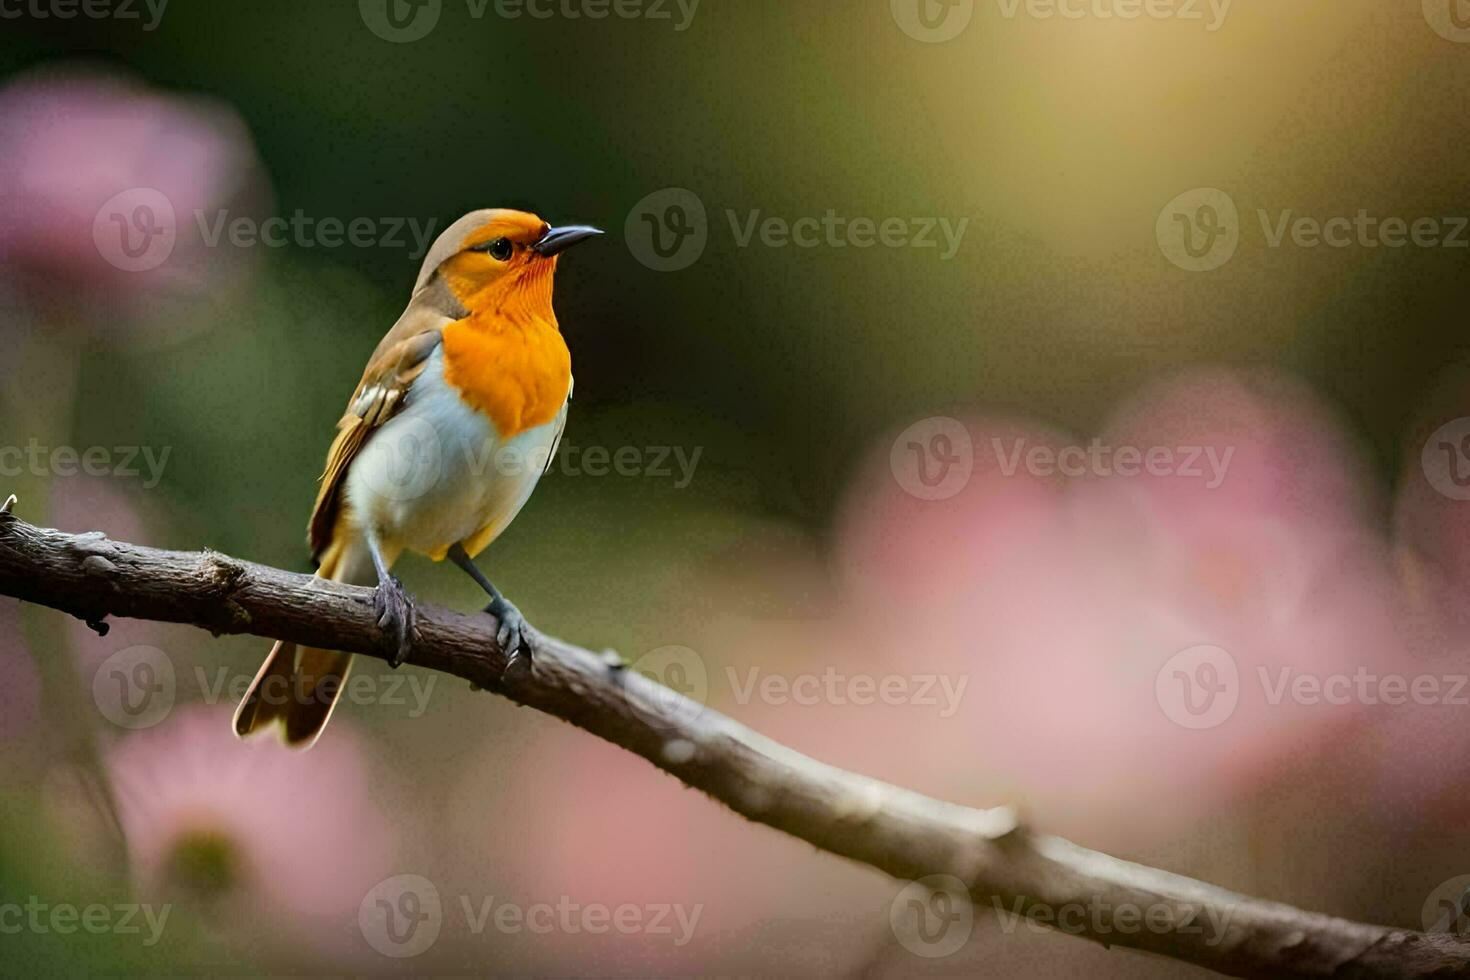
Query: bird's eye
x=500, y=249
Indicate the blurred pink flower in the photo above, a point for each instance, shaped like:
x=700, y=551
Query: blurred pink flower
x=1066, y=600
x=1424, y=754
x=267, y=843
x=620, y=833
x=1431, y=514
x=1049, y=606
x=100, y=181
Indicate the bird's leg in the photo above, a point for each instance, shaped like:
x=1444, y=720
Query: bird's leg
x=394, y=609
x=511, y=634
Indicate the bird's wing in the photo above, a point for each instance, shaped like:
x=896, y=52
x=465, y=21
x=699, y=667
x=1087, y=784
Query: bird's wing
x=380, y=395
x=561, y=426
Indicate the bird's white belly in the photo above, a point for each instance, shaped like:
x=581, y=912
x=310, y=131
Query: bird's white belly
x=439, y=472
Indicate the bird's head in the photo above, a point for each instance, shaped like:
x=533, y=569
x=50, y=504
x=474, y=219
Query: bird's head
x=497, y=259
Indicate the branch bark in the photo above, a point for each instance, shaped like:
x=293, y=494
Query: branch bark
x=1000, y=863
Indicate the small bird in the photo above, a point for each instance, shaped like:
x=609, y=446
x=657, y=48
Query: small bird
x=456, y=418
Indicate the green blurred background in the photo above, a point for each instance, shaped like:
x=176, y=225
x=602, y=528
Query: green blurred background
x=1060, y=141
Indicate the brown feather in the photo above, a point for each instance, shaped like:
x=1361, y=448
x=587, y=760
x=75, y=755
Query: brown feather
x=296, y=686
x=379, y=396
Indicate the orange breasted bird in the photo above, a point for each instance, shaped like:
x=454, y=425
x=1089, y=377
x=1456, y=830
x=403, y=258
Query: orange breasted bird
x=456, y=418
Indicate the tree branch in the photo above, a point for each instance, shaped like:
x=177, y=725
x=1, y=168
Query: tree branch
x=1001, y=864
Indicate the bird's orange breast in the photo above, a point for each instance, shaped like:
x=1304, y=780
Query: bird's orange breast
x=517, y=374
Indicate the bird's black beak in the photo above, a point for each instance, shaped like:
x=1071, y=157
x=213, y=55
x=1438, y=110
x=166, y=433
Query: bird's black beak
x=558, y=240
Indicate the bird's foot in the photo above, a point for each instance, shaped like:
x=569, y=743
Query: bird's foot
x=511, y=634
x=395, y=617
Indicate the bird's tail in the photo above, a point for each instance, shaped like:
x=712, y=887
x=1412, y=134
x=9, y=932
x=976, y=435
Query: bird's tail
x=297, y=686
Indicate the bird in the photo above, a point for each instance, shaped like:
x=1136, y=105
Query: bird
x=457, y=416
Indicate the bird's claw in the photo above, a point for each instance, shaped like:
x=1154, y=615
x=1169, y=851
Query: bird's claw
x=395, y=619
x=511, y=634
